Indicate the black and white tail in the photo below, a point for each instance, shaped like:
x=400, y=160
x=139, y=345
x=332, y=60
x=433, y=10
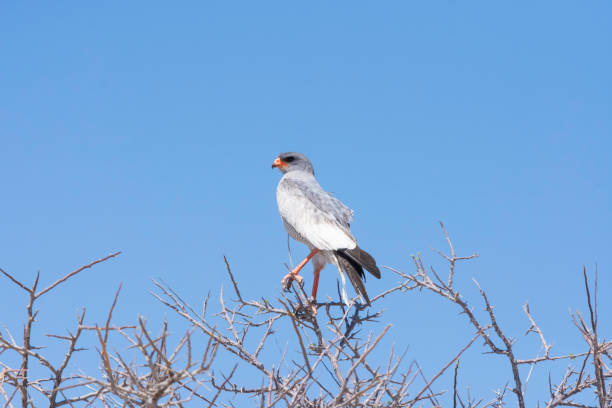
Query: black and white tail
x=353, y=262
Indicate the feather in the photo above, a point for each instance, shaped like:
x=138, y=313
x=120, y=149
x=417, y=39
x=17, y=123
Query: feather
x=342, y=279
x=364, y=259
x=313, y=216
x=354, y=272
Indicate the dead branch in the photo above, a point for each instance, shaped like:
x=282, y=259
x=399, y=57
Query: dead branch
x=227, y=356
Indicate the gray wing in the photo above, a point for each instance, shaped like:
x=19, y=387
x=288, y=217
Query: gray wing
x=314, y=214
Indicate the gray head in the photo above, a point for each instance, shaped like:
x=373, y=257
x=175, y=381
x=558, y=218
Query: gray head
x=293, y=161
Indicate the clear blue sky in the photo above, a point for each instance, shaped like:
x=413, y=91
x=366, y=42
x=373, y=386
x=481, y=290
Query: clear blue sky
x=149, y=128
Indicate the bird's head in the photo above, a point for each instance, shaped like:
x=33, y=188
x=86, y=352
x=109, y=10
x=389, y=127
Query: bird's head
x=292, y=161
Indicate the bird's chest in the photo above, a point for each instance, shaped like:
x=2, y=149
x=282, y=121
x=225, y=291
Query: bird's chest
x=293, y=233
x=292, y=210
x=295, y=210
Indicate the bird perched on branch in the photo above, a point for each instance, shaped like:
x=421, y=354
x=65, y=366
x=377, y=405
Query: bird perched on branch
x=312, y=216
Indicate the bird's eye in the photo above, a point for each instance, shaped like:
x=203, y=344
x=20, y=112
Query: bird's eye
x=289, y=159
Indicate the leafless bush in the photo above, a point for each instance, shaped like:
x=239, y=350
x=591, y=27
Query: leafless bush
x=228, y=358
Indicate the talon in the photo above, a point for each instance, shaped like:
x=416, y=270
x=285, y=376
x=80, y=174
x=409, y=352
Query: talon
x=313, y=309
x=289, y=278
x=312, y=306
x=286, y=282
x=308, y=310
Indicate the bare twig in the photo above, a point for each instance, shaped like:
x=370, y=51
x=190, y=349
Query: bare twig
x=76, y=271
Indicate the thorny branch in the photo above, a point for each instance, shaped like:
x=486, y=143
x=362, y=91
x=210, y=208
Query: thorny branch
x=277, y=353
x=430, y=280
x=20, y=380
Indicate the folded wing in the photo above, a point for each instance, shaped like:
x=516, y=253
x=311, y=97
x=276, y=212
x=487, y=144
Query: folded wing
x=320, y=219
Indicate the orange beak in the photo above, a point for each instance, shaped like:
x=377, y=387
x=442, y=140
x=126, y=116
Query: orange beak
x=279, y=163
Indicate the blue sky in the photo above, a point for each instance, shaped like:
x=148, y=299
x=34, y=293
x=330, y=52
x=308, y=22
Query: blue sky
x=150, y=129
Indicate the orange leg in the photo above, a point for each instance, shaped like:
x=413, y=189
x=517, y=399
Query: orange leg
x=298, y=268
x=315, y=286
x=315, y=283
x=286, y=282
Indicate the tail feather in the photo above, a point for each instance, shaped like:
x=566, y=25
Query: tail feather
x=355, y=274
x=353, y=261
x=364, y=259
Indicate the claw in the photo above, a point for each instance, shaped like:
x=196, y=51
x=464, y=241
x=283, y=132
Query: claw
x=313, y=309
x=289, y=278
x=312, y=305
x=308, y=310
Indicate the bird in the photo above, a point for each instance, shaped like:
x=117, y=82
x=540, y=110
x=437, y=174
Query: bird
x=317, y=219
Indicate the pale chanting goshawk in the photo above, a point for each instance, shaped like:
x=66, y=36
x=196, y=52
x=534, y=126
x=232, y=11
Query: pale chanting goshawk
x=320, y=221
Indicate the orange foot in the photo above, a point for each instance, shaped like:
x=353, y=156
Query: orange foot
x=308, y=310
x=289, y=278
x=312, y=307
